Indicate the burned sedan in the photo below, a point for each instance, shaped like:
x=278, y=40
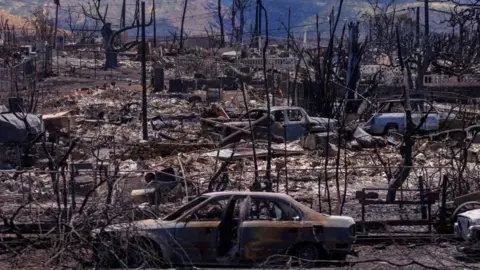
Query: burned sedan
x=287, y=124
x=228, y=228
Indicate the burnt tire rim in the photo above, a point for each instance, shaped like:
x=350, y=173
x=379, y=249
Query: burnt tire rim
x=136, y=257
x=308, y=253
x=391, y=131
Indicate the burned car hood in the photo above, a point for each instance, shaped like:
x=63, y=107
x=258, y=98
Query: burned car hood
x=390, y=115
x=446, y=115
x=147, y=224
x=323, y=121
x=340, y=221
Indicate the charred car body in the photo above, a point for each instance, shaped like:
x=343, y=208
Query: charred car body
x=468, y=227
x=229, y=228
x=390, y=116
x=287, y=124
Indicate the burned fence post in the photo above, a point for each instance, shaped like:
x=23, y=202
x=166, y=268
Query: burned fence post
x=423, y=210
x=72, y=186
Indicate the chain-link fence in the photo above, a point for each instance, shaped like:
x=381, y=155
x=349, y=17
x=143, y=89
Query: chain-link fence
x=89, y=63
x=24, y=75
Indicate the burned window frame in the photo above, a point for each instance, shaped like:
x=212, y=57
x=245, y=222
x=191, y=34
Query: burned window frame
x=299, y=114
x=281, y=204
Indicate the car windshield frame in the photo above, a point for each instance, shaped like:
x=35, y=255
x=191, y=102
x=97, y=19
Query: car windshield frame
x=245, y=116
x=415, y=108
x=186, y=208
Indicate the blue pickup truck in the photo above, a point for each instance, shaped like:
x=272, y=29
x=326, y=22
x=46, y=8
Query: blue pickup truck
x=389, y=116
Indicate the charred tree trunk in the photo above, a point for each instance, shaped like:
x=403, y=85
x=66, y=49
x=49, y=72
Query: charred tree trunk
x=220, y=19
x=353, y=72
x=111, y=60
x=123, y=16
x=404, y=171
x=242, y=24
x=234, y=30
x=183, y=23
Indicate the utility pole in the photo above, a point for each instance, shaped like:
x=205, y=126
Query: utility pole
x=259, y=19
x=288, y=34
x=57, y=4
x=183, y=22
x=154, y=25
x=233, y=24
x=220, y=19
x=144, y=77
x=255, y=31
x=427, y=20
x=417, y=38
x=122, y=17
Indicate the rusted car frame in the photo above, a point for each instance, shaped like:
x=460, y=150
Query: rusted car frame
x=250, y=227
x=287, y=124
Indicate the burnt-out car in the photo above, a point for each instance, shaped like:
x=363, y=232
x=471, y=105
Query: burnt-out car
x=228, y=228
x=287, y=123
x=390, y=117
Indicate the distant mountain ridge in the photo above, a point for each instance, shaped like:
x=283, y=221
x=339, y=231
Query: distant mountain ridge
x=202, y=14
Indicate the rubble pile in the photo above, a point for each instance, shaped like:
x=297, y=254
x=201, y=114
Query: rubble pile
x=202, y=135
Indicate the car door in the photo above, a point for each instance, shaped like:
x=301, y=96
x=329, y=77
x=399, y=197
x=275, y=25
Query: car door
x=424, y=115
x=417, y=115
x=197, y=232
x=278, y=126
x=295, y=124
x=270, y=227
x=432, y=121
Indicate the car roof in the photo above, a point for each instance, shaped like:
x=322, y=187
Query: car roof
x=400, y=100
x=279, y=108
x=249, y=193
x=309, y=214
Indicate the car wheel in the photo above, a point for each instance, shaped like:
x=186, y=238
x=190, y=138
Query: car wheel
x=308, y=254
x=390, y=130
x=141, y=253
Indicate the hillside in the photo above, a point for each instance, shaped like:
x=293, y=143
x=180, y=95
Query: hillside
x=13, y=20
x=201, y=14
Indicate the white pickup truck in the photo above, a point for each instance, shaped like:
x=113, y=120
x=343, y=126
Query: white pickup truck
x=390, y=116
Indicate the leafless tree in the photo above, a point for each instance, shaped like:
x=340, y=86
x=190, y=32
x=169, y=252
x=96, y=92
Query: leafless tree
x=42, y=24
x=458, y=54
x=98, y=12
x=72, y=20
x=183, y=23
x=234, y=28
x=7, y=32
x=220, y=19
x=240, y=6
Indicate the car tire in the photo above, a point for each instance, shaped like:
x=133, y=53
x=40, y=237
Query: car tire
x=389, y=129
x=307, y=254
x=142, y=252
